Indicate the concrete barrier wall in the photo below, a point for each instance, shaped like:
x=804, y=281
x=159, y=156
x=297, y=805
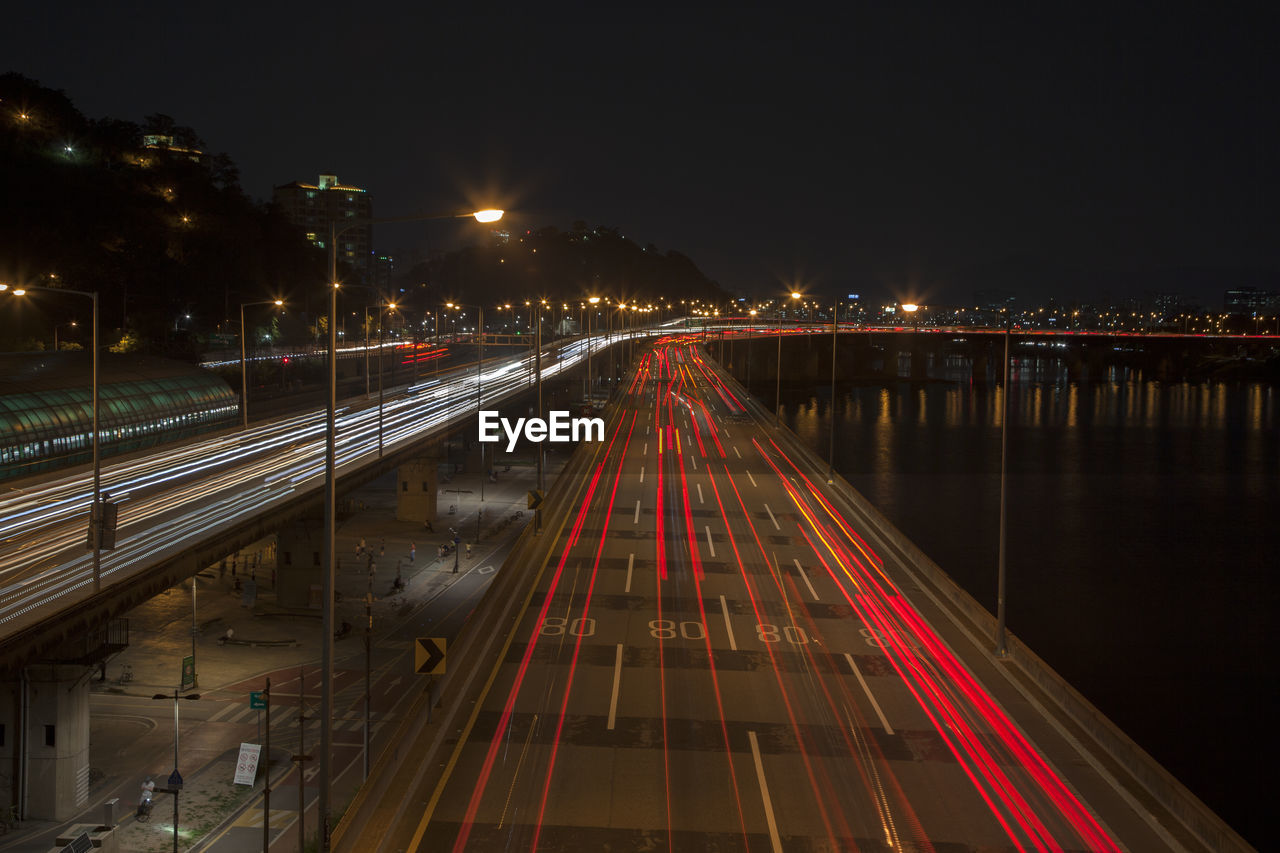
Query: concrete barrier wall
x=1113, y=745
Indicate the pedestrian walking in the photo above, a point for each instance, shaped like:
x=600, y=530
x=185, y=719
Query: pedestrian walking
x=412, y=552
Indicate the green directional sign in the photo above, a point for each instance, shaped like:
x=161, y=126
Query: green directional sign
x=257, y=700
x=188, y=672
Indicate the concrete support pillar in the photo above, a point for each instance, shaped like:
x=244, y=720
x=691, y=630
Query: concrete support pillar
x=298, y=564
x=52, y=710
x=417, y=485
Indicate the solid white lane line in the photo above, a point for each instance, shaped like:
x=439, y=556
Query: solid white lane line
x=617, y=680
x=699, y=485
x=710, y=546
x=642, y=473
x=735, y=450
x=764, y=795
x=631, y=564
x=752, y=479
x=800, y=568
x=637, y=519
x=771, y=518
x=867, y=690
x=728, y=626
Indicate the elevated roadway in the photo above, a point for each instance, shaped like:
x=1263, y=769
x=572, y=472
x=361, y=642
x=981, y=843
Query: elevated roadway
x=712, y=648
x=184, y=506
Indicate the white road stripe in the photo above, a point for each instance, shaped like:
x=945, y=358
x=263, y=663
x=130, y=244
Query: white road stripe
x=637, y=519
x=771, y=518
x=646, y=447
x=752, y=479
x=642, y=473
x=800, y=568
x=631, y=564
x=735, y=450
x=693, y=460
x=699, y=485
x=725, y=431
x=710, y=546
x=774, y=840
x=227, y=708
x=617, y=680
x=728, y=626
x=865, y=689
x=242, y=716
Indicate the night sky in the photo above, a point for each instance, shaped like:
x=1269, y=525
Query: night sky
x=906, y=151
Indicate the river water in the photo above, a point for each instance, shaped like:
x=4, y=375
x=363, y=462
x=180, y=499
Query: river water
x=1144, y=524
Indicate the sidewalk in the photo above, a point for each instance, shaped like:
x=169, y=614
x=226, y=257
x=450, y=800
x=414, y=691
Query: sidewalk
x=131, y=736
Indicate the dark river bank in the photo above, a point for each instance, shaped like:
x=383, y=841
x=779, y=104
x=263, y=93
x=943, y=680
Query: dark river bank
x=1144, y=524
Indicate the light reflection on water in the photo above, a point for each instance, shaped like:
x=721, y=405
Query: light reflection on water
x=1142, y=546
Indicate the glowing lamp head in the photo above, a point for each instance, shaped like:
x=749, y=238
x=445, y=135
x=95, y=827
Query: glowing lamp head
x=593, y=299
x=391, y=306
x=18, y=291
x=488, y=215
x=910, y=307
x=795, y=295
x=278, y=302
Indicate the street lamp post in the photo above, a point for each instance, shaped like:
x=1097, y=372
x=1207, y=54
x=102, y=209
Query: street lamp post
x=329, y=552
x=96, y=513
x=777, y=399
x=175, y=779
x=1001, y=642
x=591, y=391
x=831, y=458
x=484, y=473
x=244, y=373
x=58, y=326
x=392, y=307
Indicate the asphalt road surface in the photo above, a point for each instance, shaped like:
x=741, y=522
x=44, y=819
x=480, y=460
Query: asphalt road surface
x=715, y=660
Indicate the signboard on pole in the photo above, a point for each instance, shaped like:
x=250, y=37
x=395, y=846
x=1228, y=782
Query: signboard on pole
x=247, y=763
x=256, y=700
x=188, y=672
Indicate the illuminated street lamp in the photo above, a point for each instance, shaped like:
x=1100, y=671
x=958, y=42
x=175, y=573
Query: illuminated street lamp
x=777, y=399
x=329, y=549
x=96, y=513
x=58, y=326
x=390, y=306
x=244, y=375
x=484, y=472
x=594, y=300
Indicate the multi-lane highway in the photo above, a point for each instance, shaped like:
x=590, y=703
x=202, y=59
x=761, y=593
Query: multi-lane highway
x=712, y=657
x=176, y=497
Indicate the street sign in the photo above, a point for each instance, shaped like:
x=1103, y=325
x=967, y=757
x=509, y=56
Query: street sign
x=188, y=672
x=535, y=498
x=257, y=700
x=247, y=763
x=175, y=779
x=428, y=655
